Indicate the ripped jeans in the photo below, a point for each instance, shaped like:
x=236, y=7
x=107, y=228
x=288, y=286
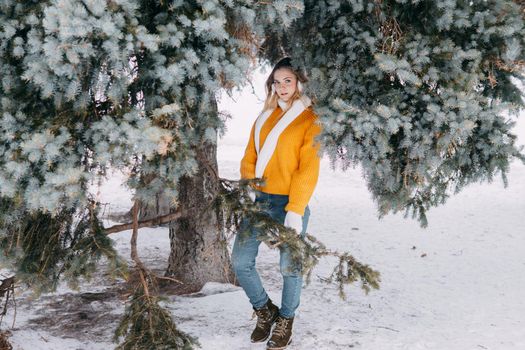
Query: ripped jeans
x=246, y=247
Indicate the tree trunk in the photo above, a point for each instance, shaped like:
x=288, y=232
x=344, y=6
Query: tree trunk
x=199, y=251
x=160, y=207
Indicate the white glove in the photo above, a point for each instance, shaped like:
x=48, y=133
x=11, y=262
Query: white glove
x=294, y=220
x=251, y=193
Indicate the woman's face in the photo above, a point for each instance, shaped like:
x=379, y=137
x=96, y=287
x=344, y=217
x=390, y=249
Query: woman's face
x=285, y=83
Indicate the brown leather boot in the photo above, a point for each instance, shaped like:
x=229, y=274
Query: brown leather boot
x=265, y=318
x=281, y=335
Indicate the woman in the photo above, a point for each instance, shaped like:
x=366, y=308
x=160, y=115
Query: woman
x=282, y=150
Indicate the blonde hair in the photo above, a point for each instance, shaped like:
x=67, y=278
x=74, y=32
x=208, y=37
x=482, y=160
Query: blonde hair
x=271, y=96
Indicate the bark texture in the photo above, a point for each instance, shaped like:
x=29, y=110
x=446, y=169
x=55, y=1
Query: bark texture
x=199, y=251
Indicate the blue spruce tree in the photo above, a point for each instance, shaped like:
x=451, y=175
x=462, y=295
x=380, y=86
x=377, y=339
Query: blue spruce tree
x=413, y=91
x=416, y=92
x=90, y=85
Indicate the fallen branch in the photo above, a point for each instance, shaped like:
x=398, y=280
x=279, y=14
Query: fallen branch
x=237, y=206
x=159, y=220
x=134, y=254
x=7, y=290
x=145, y=324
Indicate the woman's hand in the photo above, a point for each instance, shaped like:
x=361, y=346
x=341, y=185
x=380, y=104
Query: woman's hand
x=251, y=196
x=251, y=193
x=294, y=221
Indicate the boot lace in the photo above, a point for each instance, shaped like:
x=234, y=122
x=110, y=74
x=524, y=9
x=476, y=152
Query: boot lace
x=280, y=327
x=262, y=317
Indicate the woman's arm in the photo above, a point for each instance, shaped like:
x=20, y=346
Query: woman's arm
x=304, y=179
x=250, y=158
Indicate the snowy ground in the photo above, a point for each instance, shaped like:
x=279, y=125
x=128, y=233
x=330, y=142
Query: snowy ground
x=457, y=285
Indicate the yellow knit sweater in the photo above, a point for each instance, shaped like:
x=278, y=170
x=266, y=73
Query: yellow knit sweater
x=293, y=169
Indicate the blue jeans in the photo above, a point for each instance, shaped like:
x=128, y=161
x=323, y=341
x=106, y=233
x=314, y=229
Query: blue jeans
x=246, y=247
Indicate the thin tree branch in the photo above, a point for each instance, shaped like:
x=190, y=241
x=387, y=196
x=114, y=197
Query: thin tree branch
x=134, y=253
x=164, y=219
x=168, y=278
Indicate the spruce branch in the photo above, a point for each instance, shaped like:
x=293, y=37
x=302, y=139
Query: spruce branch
x=146, y=324
x=306, y=252
x=44, y=248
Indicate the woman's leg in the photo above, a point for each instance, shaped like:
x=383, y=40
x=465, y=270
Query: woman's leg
x=245, y=249
x=292, y=276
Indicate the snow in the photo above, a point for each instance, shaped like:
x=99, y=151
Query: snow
x=457, y=285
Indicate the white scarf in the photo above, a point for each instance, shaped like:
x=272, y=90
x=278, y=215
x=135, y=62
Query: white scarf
x=265, y=154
